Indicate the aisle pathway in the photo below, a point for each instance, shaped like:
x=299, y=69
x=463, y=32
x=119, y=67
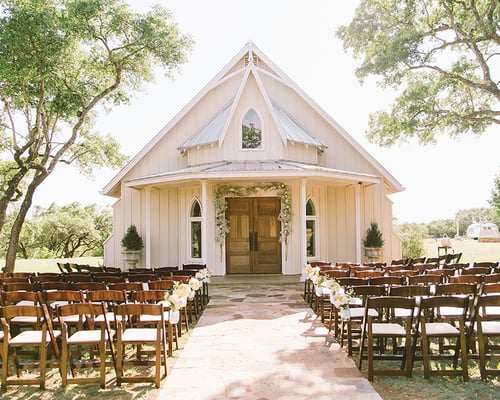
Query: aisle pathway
x=260, y=341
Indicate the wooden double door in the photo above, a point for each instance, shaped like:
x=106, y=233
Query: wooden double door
x=253, y=245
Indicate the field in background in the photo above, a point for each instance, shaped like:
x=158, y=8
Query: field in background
x=471, y=251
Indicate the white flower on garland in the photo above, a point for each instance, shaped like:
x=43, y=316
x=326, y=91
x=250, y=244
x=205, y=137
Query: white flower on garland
x=174, y=301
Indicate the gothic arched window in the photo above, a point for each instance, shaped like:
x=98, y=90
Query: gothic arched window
x=310, y=229
x=251, y=131
x=195, y=227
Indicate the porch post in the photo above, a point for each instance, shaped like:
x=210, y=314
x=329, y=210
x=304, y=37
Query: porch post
x=204, y=212
x=302, y=216
x=357, y=191
x=148, y=227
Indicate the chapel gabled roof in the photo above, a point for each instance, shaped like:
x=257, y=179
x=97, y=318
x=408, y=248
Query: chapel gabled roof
x=250, y=60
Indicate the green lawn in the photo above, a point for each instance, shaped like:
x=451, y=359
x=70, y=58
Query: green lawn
x=471, y=250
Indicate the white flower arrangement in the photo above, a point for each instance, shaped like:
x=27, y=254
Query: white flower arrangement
x=203, y=275
x=173, y=301
x=340, y=298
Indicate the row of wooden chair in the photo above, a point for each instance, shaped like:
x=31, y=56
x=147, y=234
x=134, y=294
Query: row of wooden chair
x=100, y=319
x=404, y=315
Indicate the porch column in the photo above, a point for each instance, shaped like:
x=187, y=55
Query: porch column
x=357, y=193
x=204, y=226
x=148, y=227
x=302, y=216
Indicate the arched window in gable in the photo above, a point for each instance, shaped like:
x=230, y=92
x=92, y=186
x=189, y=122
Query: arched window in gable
x=195, y=229
x=251, y=131
x=311, y=227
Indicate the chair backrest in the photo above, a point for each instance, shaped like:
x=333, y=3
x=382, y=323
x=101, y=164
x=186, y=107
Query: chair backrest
x=422, y=267
x=487, y=264
x=127, y=286
x=416, y=260
x=194, y=266
x=476, y=271
x=149, y=296
x=477, y=279
x=400, y=261
x=390, y=303
x=352, y=281
x=86, y=312
x=70, y=296
x=410, y=290
x=14, y=297
x=144, y=277
x=336, y=273
x=375, y=265
x=161, y=285
x=25, y=286
x=107, y=295
x=491, y=278
x=131, y=312
x=435, y=307
x=427, y=279
x=76, y=277
x=489, y=288
x=369, y=273
x=112, y=269
x=10, y=312
x=177, y=278
x=88, y=286
x=386, y=280
x=488, y=307
x=455, y=288
x=456, y=266
x=365, y=291
x=56, y=285
x=453, y=258
x=319, y=263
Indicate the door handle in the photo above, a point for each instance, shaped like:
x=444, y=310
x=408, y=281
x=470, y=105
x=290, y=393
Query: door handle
x=250, y=241
x=256, y=242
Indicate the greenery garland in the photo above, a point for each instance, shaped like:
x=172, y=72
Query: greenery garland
x=223, y=191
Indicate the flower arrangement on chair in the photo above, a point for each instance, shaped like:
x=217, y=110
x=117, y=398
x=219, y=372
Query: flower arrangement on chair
x=341, y=299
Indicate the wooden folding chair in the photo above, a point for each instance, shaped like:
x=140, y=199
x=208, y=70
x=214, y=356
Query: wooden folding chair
x=129, y=334
x=384, y=326
x=487, y=327
x=40, y=337
x=87, y=335
x=443, y=318
x=157, y=296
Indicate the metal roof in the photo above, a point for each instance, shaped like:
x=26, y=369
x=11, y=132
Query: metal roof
x=211, y=132
x=292, y=130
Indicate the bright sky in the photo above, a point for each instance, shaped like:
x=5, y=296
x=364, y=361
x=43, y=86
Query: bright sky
x=300, y=38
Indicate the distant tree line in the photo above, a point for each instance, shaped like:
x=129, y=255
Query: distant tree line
x=66, y=231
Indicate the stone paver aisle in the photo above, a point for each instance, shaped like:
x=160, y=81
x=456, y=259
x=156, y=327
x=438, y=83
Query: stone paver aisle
x=261, y=341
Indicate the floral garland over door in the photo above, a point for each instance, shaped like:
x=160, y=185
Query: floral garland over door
x=223, y=191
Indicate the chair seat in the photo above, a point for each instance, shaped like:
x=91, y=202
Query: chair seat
x=388, y=329
x=27, y=338
x=491, y=328
x=88, y=336
x=154, y=318
x=139, y=335
x=25, y=320
x=359, y=312
x=440, y=329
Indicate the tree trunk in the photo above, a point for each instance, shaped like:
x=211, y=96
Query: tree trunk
x=15, y=232
x=10, y=194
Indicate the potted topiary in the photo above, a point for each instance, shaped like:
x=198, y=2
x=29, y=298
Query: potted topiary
x=373, y=243
x=132, y=247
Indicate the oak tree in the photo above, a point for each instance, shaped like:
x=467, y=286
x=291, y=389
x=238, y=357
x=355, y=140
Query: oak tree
x=61, y=61
x=441, y=56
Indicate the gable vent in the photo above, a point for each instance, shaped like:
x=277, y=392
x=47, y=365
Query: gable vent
x=251, y=57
